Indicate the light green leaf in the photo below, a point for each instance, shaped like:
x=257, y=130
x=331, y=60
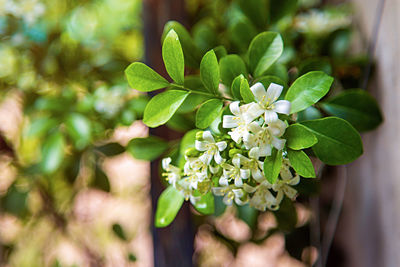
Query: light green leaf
x=208, y=112
x=272, y=166
x=191, y=52
x=188, y=141
x=168, y=205
x=235, y=88
x=173, y=57
x=79, y=128
x=338, y=142
x=161, y=107
x=209, y=72
x=308, y=90
x=301, y=163
x=53, y=152
x=206, y=204
x=310, y=113
x=245, y=91
x=143, y=78
x=357, y=107
x=299, y=137
x=264, y=50
x=147, y=148
x=39, y=126
x=230, y=67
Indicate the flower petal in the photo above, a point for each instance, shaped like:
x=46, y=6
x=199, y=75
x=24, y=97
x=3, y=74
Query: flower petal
x=200, y=145
x=258, y=91
x=234, y=107
x=254, y=153
x=265, y=150
x=227, y=200
x=165, y=163
x=229, y=121
x=257, y=175
x=223, y=181
x=217, y=157
x=219, y=191
x=270, y=116
x=249, y=188
x=273, y=92
x=207, y=136
x=238, y=182
x=254, y=111
x=282, y=106
x=277, y=128
x=278, y=143
x=244, y=173
x=221, y=145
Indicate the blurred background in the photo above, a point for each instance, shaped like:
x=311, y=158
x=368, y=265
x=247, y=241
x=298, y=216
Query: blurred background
x=71, y=194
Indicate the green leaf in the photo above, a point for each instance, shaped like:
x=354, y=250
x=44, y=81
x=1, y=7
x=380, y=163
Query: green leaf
x=310, y=113
x=230, y=67
x=272, y=166
x=40, y=126
x=205, y=36
x=188, y=141
x=301, y=163
x=235, y=88
x=248, y=215
x=241, y=32
x=209, y=72
x=220, y=51
x=191, y=52
x=281, y=8
x=308, y=90
x=338, y=142
x=299, y=137
x=161, y=107
x=286, y=216
x=264, y=50
x=206, y=204
x=169, y=203
x=101, y=180
x=111, y=149
x=315, y=64
x=119, y=231
x=208, y=112
x=79, y=128
x=143, y=78
x=255, y=10
x=182, y=122
x=53, y=152
x=147, y=148
x=245, y=91
x=357, y=107
x=191, y=103
x=173, y=57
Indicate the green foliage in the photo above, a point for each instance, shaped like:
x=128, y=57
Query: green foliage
x=230, y=67
x=245, y=92
x=208, y=112
x=168, y=205
x=272, y=166
x=79, y=129
x=161, y=107
x=301, y=163
x=147, y=148
x=209, y=72
x=308, y=90
x=173, y=57
x=53, y=152
x=206, y=204
x=143, y=78
x=338, y=142
x=299, y=137
x=357, y=107
x=264, y=50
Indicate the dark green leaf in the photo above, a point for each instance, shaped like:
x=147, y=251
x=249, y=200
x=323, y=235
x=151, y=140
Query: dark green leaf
x=338, y=142
x=286, y=216
x=169, y=203
x=209, y=72
x=308, y=90
x=206, y=204
x=119, y=231
x=143, y=78
x=281, y=8
x=264, y=50
x=147, y=148
x=173, y=57
x=161, y=107
x=182, y=122
x=111, y=149
x=301, y=163
x=255, y=10
x=248, y=215
x=357, y=107
x=230, y=67
x=245, y=91
x=299, y=137
x=208, y=112
x=101, y=180
x=272, y=166
x=241, y=33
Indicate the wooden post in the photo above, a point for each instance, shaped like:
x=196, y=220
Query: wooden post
x=173, y=245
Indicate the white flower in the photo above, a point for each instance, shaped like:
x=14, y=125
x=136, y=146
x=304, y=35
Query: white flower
x=239, y=121
x=267, y=103
x=173, y=173
x=283, y=185
x=265, y=137
x=262, y=197
x=195, y=167
x=185, y=186
x=211, y=148
x=253, y=164
x=231, y=193
x=234, y=172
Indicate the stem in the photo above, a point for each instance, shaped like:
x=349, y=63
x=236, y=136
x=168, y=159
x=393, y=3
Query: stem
x=202, y=93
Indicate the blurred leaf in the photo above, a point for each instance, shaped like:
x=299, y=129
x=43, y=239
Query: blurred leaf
x=173, y=57
x=161, y=107
x=338, y=142
x=209, y=72
x=310, y=113
x=281, y=8
x=219, y=206
x=315, y=64
x=248, y=214
x=182, y=122
x=53, y=152
x=272, y=165
x=111, y=149
x=15, y=201
x=127, y=117
x=188, y=141
x=308, y=90
x=206, y=204
x=235, y=88
x=264, y=50
x=143, y=78
x=132, y=258
x=40, y=126
x=230, y=67
x=242, y=32
x=286, y=216
x=204, y=36
x=357, y=107
x=100, y=180
x=119, y=231
x=301, y=163
x=147, y=148
x=168, y=205
x=255, y=10
x=79, y=128
x=220, y=52
x=208, y=112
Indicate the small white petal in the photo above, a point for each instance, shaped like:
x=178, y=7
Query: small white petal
x=290, y=192
x=229, y=121
x=165, y=163
x=282, y=106
x=255, y=128
x=257, y=175
x=236, y=135
x=265, y=150
x=278, y=143
x=244, y=173
x=207, y=136
x=215, y=169
x=221, y=145
x=238, y=193
x=270, y=116
x=274, y=91
x=249, y=189
x=254, y=153
x=295, y=180
x=254, y=111
x=227, y=200
x=238, y=182
x=258, y=91
x=223, y=181
x=217, y=157
x=277, y=128
x=236, y=161
x=219, y=191
x=234, y=107
x=206, y=158
x=200, y=145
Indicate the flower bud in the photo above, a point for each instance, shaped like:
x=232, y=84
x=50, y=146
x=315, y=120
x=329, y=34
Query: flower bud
x=192, y=152
x=234, y=151
x=199, y=136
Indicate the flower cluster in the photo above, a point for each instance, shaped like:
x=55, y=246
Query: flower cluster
x=232, y=165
